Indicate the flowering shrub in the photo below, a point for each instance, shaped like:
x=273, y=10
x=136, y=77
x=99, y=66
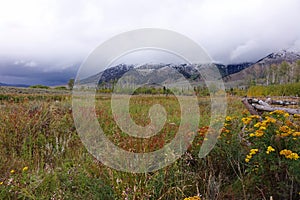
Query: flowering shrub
x=272, y=162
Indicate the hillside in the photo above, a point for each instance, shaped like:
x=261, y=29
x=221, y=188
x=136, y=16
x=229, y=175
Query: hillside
x=276, y=68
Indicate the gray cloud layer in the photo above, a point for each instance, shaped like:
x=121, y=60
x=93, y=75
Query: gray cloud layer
x=30, y=72
x=52, y=34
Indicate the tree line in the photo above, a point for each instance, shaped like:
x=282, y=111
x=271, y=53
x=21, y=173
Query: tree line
x=282, y=73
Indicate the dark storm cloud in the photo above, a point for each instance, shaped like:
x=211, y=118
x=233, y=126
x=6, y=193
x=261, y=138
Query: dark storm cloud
x=29, y=72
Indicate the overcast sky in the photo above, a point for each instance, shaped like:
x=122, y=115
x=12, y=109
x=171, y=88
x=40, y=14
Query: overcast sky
x=39, y=38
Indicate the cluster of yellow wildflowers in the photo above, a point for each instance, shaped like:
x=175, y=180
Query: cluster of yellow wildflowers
x=274, y=142
x=227, y=124
x=262, y=126
x=193, y=198
x=280, y=112
x=225, y=135
x=296, y=134
x=268, y=120
x=288, y=128
x=258, y=133
x=247, y=120
x=289, y=154
x=277, y=122
x=249, y=156
x=265, y=123
x=285, y=131
x=203, y=130
x=270, y=149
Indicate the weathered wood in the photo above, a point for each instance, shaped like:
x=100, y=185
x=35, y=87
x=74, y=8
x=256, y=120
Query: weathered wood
x=270, y=109
x=260, y=102
x=280, y=102
x=256, y=106
x=249, y=107
x=284, y=103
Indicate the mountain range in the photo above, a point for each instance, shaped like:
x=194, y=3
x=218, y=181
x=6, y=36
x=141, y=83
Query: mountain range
x=233, y=74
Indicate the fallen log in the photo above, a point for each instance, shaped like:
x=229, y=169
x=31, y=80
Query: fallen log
x=249, y=107
x=271, y=109
x=257, y=107
x=280, y=102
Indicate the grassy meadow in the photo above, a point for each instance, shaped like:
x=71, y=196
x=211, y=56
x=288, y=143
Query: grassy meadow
x=42, y=156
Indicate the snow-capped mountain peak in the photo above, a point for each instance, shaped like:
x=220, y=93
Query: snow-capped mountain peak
x=279, y=57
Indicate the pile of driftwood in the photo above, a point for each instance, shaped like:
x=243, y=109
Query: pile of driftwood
x=257, y=106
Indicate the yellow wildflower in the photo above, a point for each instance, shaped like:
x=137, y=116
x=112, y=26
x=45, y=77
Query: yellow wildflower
x=1, y=183
x=286, y=115
x=193, y=198
x=246, y=120
x=253, y=151
x=292, y=156
x=12, y=171
x=252, y=135
x=270, y=149
x=270, y=120
x=284, y=129
x=259, y=133
x=295, y=134
x=285, y=152
x=249, y=156
x=262, y=128
x=258, y=124
x=25, y=169
x=255, y=116
x=228, y=118
x=227, y=131
x=284, y=134
x=264, y=123
x=297, y=115
x=279, y=112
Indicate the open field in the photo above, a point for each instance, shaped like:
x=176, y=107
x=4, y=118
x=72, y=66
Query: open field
x=42, y=156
